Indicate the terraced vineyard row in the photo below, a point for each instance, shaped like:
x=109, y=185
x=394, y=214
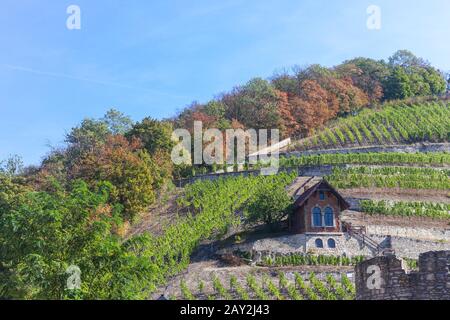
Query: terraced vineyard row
x=406, y=209
x=380, y=158
x=390, y=177
x=296, y=259
x=397, y=124
x=269, y=288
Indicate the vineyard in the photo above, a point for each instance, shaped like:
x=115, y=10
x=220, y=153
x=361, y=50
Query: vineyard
x=212, y=206
x=208, y=210
x=390, y=177
x=429, y=159
x=406, y=209
x=291, y=286
x=440, y=159
x=394, y=124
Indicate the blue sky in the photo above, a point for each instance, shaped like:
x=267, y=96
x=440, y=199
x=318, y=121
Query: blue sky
x=152, y=58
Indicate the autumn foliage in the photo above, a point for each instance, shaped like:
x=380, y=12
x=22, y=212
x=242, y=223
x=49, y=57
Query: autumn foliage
x=304, y=99
x=126, y=166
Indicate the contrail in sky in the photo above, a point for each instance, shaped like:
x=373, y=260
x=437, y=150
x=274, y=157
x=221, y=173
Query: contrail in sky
x=100, y=82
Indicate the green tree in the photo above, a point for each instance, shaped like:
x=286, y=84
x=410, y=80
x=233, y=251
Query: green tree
x=284, y=81
x=412, y=76
x=156, y=138
x=397, y=85
x=314, y=72
x=269, y=205
x=217, y=109
x=255, y=105
x=436, y=80
x=87, y=136
x=447, y=78
x=154, y=135
x=117, y=122
x=42, y=234
x=9, y=191
x=10, y=194
x=406, y=59
x=92, y=133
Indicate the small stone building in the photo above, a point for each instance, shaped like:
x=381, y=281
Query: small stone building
x=321, y=224
x=317, y=207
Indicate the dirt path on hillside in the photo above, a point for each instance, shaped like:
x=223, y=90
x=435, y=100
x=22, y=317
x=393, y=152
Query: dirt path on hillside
x=160, y=215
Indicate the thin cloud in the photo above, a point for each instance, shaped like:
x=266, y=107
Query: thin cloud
x=99, y=82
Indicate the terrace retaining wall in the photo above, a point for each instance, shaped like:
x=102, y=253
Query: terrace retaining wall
x=411, y=245
x=427, y=234
x=323, y=170
x=413, y=148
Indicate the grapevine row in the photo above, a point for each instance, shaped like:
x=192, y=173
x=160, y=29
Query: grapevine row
x=402, y=123
x=268, y=289
x=406, y=209
x=390, y=177
x=311, y=260
x=375, y=158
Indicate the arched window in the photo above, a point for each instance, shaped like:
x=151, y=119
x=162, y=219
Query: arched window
x=317, y=217
x=319, y=243
x=329, y=217
x=331, y=243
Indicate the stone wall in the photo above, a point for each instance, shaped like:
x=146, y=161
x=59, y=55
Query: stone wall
x=410, y=242
x=427, y=234
x=306, y=244
x=409, y=247
x=306, y=171
x=345, y=245
x=413, y=148
x=387, y=278
x=323, y=170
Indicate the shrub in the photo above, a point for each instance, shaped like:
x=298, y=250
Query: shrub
x=42, y=234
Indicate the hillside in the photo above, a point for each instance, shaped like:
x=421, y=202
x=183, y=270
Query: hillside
x=301, y=101
x=399, y=123
x=398, y=196
x=105, y=203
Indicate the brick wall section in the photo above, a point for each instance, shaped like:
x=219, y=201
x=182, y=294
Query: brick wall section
x=305, y=212
x=430, y=282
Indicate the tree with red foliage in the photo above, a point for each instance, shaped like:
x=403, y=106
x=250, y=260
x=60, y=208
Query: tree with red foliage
x=309, y=110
